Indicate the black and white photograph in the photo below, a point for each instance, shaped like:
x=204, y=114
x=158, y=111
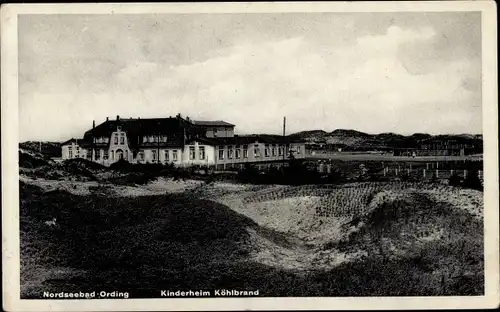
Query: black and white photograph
x=248, y=153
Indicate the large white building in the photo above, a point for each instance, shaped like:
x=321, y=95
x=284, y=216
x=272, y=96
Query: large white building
x=182, y=142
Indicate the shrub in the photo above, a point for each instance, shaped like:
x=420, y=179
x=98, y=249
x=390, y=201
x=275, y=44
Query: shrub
x=472, y=181
x=455, y=180
x=28, y=161
x=249, y=174
x=79, y=171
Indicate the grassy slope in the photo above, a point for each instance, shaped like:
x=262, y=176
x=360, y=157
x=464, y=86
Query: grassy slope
x=415, y=242
x=180, y=242
x=425, y=246
x=103, y=235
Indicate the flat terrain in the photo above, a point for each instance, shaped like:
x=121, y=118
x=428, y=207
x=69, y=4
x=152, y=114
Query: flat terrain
x=390, y=157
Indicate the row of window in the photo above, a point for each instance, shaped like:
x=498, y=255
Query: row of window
x=445, y=146
x=101, y=140
x=175, y=154
x=121, y=138
x=105, y=154
x=269, y=151
x=154, y=139
x=232, y=152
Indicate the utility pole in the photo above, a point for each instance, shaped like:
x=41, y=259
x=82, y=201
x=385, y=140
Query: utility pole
x=284, y=139
x=158, y=145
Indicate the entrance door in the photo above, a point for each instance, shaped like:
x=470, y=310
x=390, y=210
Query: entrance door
x=119, y=154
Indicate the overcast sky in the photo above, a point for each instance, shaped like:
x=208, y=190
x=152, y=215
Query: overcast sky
x=372, y=72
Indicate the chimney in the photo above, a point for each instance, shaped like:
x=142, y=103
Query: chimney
x=93, y=124
x=107, y=118
x=117, y=117
x=284, y=126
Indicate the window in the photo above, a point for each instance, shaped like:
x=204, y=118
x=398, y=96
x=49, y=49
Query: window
x=126, y=155
x=221, y=152
x=256, y=151
x=70, y=154
x=154, y=155
x=116, y=139
x=89, y=154
x=192, y=154
x=298, y=149
x=105, y=155
x=245, y=151
x=141, y=155
x=280, y=151
x=112, y=155
x=97, y=154
x=230, y=152
x=273, y=151
x=122, y=139
x=238, y=153
x=167, y=155
x=266, y=150
x=202, y=152
x=174, y=155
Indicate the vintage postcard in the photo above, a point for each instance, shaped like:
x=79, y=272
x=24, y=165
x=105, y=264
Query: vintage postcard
x=250, y=156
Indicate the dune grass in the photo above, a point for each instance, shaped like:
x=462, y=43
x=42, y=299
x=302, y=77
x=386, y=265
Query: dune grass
x=184, y=242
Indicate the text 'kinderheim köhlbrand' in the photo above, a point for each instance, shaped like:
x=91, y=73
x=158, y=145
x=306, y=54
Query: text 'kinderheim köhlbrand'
x=210, y=293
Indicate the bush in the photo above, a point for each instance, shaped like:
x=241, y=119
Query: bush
x=28, y=161
x=84, y=163
x=143, y=173
x=249, y=174
x=472, y=181
x=455, y=180
x=78, y=170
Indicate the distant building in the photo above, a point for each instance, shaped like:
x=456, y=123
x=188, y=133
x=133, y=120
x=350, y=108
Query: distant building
x=442, y=146
x=179, y=141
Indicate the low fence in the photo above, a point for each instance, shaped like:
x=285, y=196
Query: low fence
x=431, y=173
x=359, y=156
x=439, y=170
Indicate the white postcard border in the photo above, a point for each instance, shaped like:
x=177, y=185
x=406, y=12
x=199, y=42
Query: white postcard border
x=10, y=184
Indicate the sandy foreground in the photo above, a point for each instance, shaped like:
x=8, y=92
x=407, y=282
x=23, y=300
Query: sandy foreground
x=288, y=210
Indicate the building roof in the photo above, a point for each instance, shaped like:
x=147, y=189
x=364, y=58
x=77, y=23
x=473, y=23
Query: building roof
x=70, y=141
x=175, y=128
x=249, y=139
x=138, y=126
x=208, y=123
x=178, y=130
